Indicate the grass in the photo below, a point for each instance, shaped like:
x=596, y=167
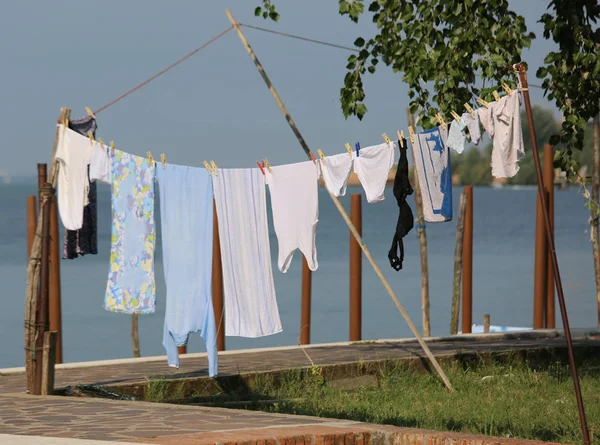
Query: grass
x=513, y=400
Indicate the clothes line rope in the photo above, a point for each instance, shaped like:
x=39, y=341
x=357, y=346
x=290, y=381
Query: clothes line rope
x=173, y=65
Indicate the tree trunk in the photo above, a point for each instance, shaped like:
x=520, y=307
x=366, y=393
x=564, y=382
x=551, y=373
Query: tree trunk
x=594, y=209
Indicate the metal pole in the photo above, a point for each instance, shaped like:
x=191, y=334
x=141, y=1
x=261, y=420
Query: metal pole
x=420, y=222
x=540, y=282
x=555, y=269
x=340, y=208
x=355, y=270
x=460, y=232
x=31, y=221
x=549, y=184
x=217, y=283
x=467, y=264
x=306, y=303
x=42, y=303
x=55, y=309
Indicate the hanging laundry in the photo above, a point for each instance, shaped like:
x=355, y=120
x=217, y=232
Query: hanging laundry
x=186, y=215
x=373, y=166
x=295, y=206
x=406, y=221
x=485, y=117
x=336, y=170
x=100, y=164
x=74, y=153
x=432, y=163
x=456, y=137
x=472, y=123
x=131, y=286
x=83, y=241
x=507, y=142
x=249, y=291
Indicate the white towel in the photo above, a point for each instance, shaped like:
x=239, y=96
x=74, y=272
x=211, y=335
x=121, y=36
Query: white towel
x=336, y=170
x=373, y=166
x=295, y=205
x=249, y=292
x=432, y=162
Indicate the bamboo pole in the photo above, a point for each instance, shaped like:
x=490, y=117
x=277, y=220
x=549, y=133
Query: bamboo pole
x=460, y=231
x=339, y=206
x=422, y=240
x=486, y=323
x=33, y=270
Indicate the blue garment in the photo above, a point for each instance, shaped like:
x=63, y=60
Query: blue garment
x=186, y=213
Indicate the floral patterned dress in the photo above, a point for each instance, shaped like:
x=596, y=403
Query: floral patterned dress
x=131, y=287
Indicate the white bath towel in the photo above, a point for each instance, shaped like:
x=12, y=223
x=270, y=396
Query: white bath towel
x=249, y=291
x=336, y=170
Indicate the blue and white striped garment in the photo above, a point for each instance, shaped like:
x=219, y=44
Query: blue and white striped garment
x=249, y=291
x=432, y=162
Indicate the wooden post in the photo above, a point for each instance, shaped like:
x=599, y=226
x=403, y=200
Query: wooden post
x=135, y=335
x=339, y=206
x=549, y=184
x=540, y=283
x=467, y=263
x=50, y=339
x=42, y=170
x=306, y=303
x=458, y=249
x=55, y=310
x=217, y=283
x=595, y=235
x=420, y=222
x=31, y=221
x=355, y=270
x=486, y=323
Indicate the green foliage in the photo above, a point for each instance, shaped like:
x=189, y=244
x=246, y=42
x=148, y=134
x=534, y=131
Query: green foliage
x=571, y=75
x=267, y=10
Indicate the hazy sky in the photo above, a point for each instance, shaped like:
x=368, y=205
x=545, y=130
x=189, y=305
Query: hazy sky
x=214, y=106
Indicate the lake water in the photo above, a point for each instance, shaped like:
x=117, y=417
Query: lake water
x=503, y=252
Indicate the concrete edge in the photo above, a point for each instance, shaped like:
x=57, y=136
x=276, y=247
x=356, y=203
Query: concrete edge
x=524, y=335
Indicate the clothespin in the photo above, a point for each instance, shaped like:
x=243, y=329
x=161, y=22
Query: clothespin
x=455, y=116
x=207, y=167
x=348, y=148
x=400, y=137
x=261, y=167
x=480, y=101
x=163, y=160
x=268, y=165
x=386, y=139
x=441, y=120
x=91, y=136
x=507, y=89
x=214, y=167
x=312, y=156
x=357, y=147
x=101, y=142
x=321, y=155
x=470, y=110
x=496, y=96
x=150, y=158
x=112, y=148
x=411, y=132
x=90, y=112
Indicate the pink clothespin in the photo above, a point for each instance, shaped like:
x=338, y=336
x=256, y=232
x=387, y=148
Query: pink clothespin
x=261, y=166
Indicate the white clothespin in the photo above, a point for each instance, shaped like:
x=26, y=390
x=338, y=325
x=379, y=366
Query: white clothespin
x=411, y=132
x=214, y=167
x=207, y=167
x=470, y=110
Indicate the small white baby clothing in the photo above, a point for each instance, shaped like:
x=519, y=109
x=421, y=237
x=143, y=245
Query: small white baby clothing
x=336, y=170
x=74, y=153
x=485, y=117
x=99, y=165
x=295, y=206
x=472, y=123
x=373, y=166
x=456, y=136
x=507, y=147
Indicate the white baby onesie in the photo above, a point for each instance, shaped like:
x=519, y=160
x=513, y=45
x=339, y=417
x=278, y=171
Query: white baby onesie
x=373, y=166
x=295, y=206
x=473, y=127
x=74, y=152
x=336, y=170
x=99, y=165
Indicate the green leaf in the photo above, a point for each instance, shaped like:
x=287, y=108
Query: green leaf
x=360, y=42
x=257, y=11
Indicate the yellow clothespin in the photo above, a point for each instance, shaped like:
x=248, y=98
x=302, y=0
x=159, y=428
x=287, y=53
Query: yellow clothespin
x=90, y=112
x=268, y=165
x=112, y=148
x=441, y=120
x=163, y=160
x=150, y=158
x=480, y=101
x=321, y=155
x=101, y=142
x=348, y=148
x=455, y=116
x=214, y=167
x=496, y=96
x=386, y=139
x=91, y=136
x=470, y=110
x=507, y=89
x=207, y=166
x=411, y=132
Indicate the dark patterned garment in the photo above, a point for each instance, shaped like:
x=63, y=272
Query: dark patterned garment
x=85, y=240
x=402, y=189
